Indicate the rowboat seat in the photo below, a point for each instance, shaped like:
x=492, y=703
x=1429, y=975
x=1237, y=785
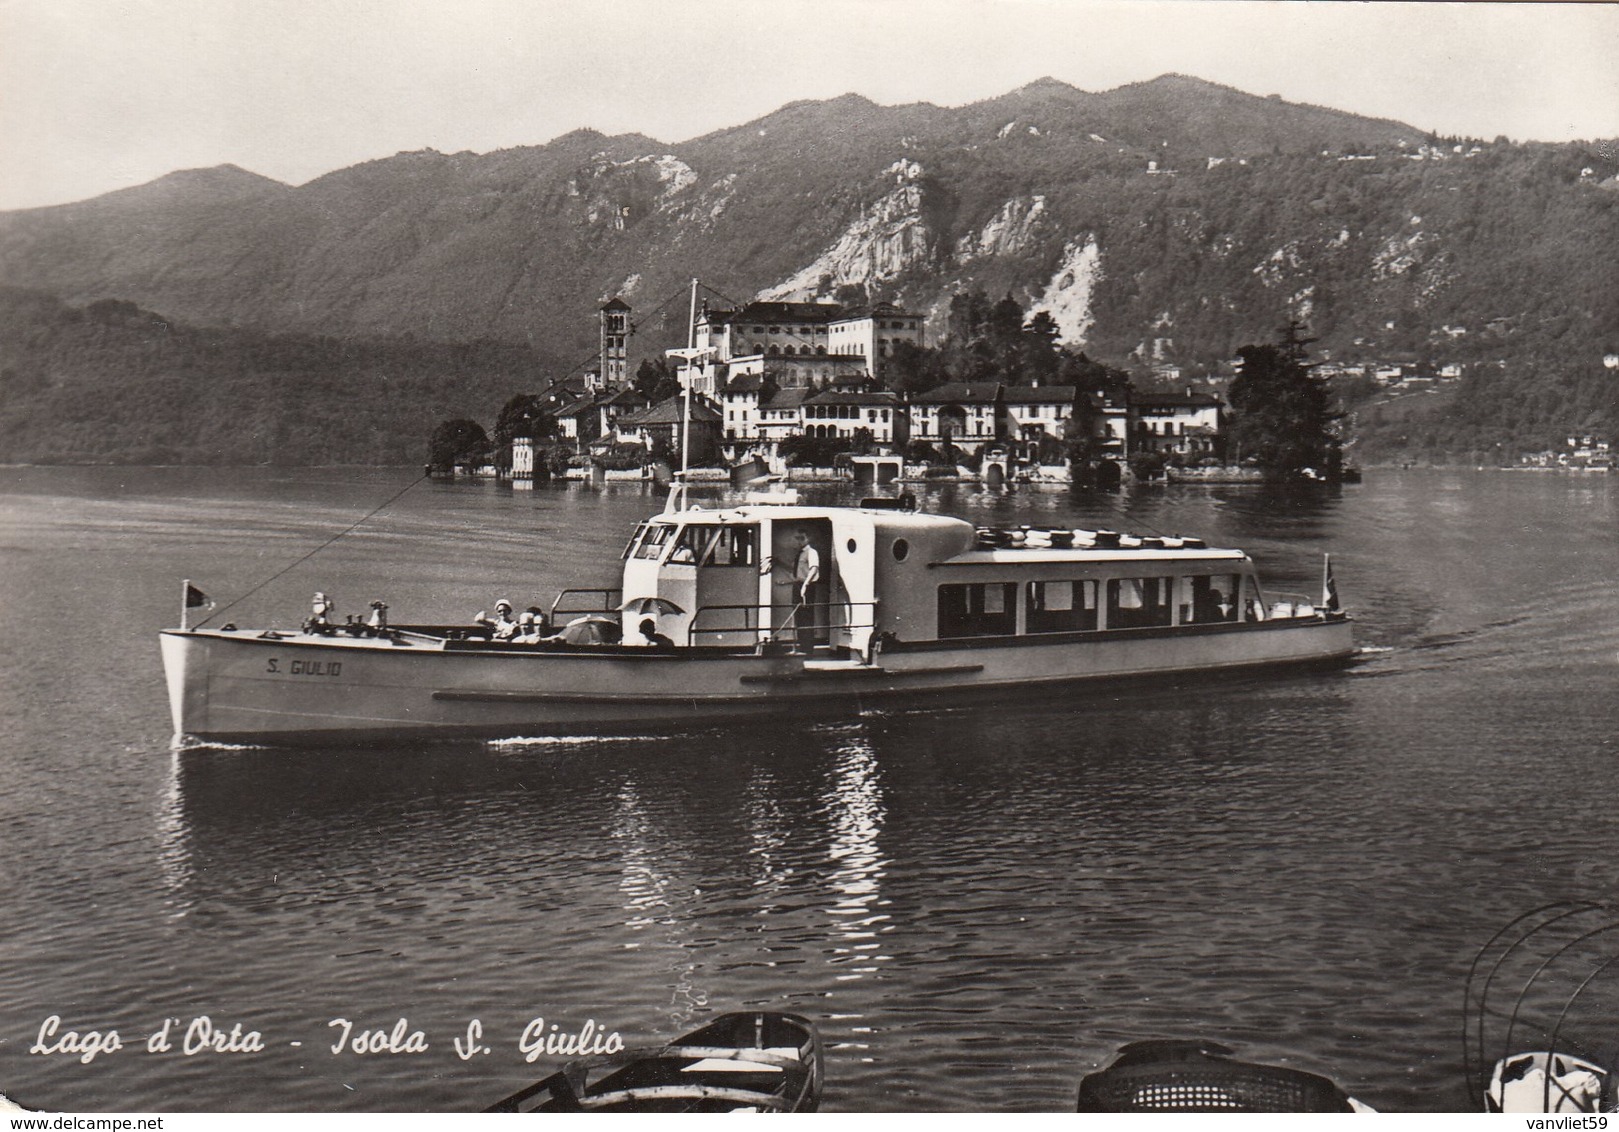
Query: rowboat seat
x=740, y=1065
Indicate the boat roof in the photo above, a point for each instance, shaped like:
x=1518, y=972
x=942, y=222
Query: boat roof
x=792, y=512
x=1027, y=554
x=1133, y=547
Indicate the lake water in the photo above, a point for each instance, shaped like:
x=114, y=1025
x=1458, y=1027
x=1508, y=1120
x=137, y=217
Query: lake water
x=977, y=903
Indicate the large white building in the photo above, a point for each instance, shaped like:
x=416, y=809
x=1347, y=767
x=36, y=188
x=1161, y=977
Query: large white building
x=799, y=343
x=873, y=335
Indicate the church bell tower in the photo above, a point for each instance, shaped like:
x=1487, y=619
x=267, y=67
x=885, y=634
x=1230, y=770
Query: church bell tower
x=615, y=334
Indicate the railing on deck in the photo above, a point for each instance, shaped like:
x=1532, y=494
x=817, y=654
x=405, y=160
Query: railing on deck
x=609, y=603
x=745, y=619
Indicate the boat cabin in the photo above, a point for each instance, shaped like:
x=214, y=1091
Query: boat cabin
x=899, y=576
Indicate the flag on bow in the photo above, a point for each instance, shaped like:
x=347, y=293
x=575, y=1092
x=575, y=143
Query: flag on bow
x=1329, y=588
x=191, y=598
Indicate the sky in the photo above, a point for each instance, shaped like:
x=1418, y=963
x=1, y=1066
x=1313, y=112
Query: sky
x=97, y=95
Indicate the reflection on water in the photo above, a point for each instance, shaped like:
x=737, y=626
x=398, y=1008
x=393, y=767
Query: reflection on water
x=979, y=900
x=855, y=804
x=657, y=900
x=172, y=850
x=857, y=921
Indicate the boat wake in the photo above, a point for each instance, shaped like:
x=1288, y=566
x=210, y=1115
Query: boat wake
x=182, y=743
x=523, y=742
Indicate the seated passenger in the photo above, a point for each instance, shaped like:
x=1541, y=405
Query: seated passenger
x=504, y=625
x=651, y=637
x=321, y=612
x=530, y=627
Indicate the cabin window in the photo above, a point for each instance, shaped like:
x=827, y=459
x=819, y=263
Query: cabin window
x=902, y=547
x=1062, y=607
x=978, y=610
x=656, y=537
x=733, y=546
x=1134, y=603
x=629, y=547
x=692, y=544
x=1209, y=598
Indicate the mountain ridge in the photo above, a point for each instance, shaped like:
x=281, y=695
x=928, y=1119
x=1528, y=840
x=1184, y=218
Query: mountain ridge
x=1162, y=223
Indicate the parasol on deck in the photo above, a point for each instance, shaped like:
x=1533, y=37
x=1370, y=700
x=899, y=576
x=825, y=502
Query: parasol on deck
x=594, y=629
x=649, y=606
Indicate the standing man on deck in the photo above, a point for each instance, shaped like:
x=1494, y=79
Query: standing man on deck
x=806, y=578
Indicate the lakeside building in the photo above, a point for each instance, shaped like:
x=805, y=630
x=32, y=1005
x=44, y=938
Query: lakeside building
x=781, y=414
x=561, y=393
x=662, y=426
x=594, y=416
x=1185, y=424
x=755, y=408
x=972, y=414
x=799, y=342
x=1585, y=453
x=845, y=414
x=788, y=372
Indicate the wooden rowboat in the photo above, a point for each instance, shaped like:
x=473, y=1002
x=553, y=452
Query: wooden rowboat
x=746, y=1061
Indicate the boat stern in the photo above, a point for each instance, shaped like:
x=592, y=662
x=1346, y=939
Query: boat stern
x=185, y=667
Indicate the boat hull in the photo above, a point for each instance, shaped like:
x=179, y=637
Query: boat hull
x=305, y=689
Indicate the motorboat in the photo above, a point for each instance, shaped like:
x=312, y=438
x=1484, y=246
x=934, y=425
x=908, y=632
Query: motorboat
x=902, y=605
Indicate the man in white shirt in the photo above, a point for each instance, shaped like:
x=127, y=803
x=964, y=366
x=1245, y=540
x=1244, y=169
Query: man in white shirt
x=806, y=579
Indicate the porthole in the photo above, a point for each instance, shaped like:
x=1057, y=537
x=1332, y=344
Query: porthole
x=901, y=549
x=851, y=545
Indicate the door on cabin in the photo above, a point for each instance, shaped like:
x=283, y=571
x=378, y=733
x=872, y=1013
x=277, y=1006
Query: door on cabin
x=793, y=616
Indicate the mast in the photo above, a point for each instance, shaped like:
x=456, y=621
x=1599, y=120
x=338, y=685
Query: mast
x=691, y=363
x=688, y=358
x=691, y=323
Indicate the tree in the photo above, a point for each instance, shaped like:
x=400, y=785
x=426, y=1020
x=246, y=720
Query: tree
x=1081, y=428
x=655, y=381
x=1006, y=319
x=458, y=441
x=1040, y=354
x=1281, y=412
x=914, y=369
x=969, y=314
x=811, y=451
x=850, y=295
x=1147, y=465
x=523, y=415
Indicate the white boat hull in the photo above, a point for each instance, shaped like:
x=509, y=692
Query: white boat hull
x=234, y=687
